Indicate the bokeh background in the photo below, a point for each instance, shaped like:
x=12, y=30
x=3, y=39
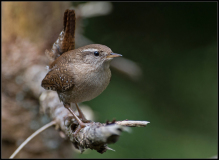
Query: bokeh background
x=168, y=76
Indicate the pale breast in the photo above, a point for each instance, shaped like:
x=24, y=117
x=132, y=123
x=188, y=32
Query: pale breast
x=87, y=86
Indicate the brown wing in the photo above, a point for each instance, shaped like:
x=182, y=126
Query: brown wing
x=58, y=79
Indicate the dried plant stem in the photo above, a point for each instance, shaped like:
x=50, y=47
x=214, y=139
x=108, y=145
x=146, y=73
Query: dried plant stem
x=31, y=137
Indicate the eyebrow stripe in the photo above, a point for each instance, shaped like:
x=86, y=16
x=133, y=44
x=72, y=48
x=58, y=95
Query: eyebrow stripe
x=89, y=49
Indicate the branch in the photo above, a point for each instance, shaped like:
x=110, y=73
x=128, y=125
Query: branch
x=94, y=136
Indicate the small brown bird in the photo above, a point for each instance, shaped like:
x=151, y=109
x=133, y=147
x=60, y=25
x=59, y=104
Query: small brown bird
x=80, y=75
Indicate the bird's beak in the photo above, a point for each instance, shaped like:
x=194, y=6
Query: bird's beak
x=112, y=55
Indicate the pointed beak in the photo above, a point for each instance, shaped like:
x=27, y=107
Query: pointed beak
x=112, y=55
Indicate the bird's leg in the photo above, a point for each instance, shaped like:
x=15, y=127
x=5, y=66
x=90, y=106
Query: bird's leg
x=81, y=115
x=81, y=124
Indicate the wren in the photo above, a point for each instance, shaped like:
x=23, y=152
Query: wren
x=80, y=75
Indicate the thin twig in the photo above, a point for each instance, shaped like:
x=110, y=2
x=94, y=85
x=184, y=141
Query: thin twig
x=31, y=137
x=132, y=123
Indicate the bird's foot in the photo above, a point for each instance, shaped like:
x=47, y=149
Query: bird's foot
x=80, y=126
x=81, y=115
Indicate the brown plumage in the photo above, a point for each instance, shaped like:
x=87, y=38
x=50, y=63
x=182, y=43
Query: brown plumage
x=79, y=75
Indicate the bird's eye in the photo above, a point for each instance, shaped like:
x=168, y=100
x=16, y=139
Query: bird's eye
x=96, y=53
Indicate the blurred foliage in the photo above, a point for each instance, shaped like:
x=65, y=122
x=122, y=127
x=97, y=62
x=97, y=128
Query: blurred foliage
x=176, y=46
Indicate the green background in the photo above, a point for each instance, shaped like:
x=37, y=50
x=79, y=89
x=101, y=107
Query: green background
x=175, y=44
